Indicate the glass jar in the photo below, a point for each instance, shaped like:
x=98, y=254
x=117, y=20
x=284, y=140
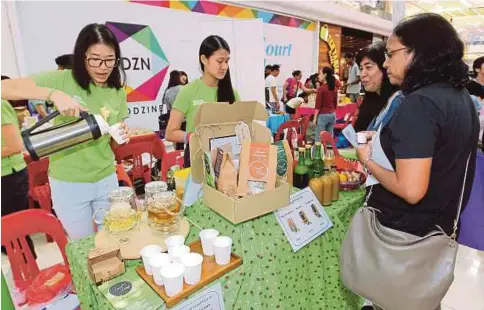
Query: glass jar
x=151, y=189
x=122, y=214
x=165, y=212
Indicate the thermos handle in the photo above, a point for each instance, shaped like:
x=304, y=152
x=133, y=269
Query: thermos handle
x=48, y=118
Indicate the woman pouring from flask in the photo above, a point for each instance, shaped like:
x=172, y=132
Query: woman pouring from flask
x=214, y=86
x=82, y=176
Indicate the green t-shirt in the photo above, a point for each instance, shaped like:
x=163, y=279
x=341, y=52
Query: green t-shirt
x=191, y=96
x=14, y=162
x=91, y=161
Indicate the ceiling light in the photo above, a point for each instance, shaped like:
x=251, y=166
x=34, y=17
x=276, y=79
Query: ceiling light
x=466, y=3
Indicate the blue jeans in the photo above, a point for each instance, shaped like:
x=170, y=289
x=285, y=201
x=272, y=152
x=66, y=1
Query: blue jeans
x=75, y=203
x=325, y=123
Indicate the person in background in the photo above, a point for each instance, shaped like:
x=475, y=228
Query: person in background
x=15, y=181
x=81, y=177
x=326, y=102
x=313, y=81
x=267, y=71
x=174, y=86
x=378, y=88
x=271, y=87
x=476, y=86
x=291, y=88
x=353, y=85
x=215, y=85
x=431, y=136
x=40, y=107
x=183, y=78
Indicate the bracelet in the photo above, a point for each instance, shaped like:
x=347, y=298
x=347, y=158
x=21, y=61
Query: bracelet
x=50, y=94
x=365, y=163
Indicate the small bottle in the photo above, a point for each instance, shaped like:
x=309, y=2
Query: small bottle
x=327, y=188
x=301, y=173
x=309, y=159
x=317, y=168
x=329, y=156
x=335, y=183
x=316, y=185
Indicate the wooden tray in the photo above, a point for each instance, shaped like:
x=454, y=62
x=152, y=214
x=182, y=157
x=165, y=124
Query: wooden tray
x=210, y=272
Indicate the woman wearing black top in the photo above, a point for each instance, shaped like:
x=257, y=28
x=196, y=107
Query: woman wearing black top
x=378, y=88
x=476, y=86
x=431, y=135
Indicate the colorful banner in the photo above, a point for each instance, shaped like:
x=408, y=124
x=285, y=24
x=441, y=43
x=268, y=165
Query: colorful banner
x=330, y=47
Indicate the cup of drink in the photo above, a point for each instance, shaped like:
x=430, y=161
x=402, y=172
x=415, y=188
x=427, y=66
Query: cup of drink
x=147, y=253
x=222, y=247
x=177, y=252
x=116, y=132
x=193, y=267
x=361, y=137
x=174, y=241
x=207, y=236
x=172, y=275
x=156, y=263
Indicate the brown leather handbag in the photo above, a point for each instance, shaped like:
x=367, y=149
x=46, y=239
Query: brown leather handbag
x=396, y=270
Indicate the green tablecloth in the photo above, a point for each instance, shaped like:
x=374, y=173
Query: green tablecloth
x=348, y=153
x=272, y=275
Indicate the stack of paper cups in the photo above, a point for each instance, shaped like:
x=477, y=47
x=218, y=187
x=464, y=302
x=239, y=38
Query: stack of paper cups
x=222, y=247
x=207, y=236
x=147, y=253
x=174, y=241
x=177, y=252
x=193, y=267
x=172, y=275
x=157, y=262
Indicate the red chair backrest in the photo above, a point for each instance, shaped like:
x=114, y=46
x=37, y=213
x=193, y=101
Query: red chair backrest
x=137, y=146
x=289, y=125
x=326, y=138
x=37, y=171
x=15, y=227
x=304, y=121
x=169, y=160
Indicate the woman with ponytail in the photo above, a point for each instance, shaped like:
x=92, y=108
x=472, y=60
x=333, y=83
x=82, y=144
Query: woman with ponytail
x=214, y=86
x=326, y=102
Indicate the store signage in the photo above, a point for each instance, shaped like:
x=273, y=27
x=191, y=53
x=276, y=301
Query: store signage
x=333, y=51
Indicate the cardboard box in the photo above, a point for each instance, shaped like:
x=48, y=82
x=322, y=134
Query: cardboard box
x=104, y=264
x=215, y=120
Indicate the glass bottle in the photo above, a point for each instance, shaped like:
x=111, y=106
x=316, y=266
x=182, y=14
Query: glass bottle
x=309, y=159
x=301, y=173
x=335, y=183
x=317, y=168
x=327, y=188
x=329, y=157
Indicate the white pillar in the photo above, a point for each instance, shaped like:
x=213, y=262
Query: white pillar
x=398, y=11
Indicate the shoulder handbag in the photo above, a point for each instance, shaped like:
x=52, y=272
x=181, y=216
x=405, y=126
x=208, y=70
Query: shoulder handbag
x=396, y=270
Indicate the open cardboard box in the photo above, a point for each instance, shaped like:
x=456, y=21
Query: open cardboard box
x=105, y=264
x=215, y=120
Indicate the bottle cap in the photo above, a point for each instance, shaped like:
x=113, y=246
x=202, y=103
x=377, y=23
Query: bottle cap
x=301, y=149
x=317, y=143
x=308, y=146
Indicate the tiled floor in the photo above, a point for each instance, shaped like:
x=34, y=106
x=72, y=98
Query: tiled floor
x=466, y=293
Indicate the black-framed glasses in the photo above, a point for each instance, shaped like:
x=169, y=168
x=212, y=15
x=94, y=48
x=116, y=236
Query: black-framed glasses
x=98, y=62
x=389, y=54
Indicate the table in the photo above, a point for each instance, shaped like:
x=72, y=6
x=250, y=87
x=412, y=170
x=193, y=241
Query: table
x=274, y=121
x=271, y=277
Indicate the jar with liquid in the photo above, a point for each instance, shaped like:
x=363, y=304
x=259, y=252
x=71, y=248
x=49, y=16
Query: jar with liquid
x=335, y=183
x=122, y=214
x=316, y=185
x=327, y=188
x=164, y=212
x=153, y=188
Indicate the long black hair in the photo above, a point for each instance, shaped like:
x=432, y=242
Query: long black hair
x=174, y=79
x=376, y=53
x=90, y=35
x=438, y=52
x=211, y=44
x=330, y=79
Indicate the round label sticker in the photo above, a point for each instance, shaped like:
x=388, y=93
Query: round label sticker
x=121, y=288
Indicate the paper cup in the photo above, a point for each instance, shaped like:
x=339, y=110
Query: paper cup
x=115, y=132
x=177, y=252
x=156, y=263
x=147, y=253
x=172, y=275
x=361, y=137
x=193, y=267
x=222, y=247
x=174, y=241
x=208, y=237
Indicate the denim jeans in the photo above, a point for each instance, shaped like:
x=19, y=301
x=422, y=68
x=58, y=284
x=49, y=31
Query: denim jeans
x=325, y=123
x=75, y=203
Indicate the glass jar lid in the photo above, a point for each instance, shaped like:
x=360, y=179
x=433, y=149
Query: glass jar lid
x=156, y=186
x=123, y=193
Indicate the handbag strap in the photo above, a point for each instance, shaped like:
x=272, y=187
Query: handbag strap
x=459, y=207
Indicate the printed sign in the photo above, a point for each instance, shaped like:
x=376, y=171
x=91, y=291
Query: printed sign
x=209, y=299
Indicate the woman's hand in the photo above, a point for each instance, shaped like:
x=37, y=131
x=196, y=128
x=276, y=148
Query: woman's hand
x=369, y=134
x=125, y=131
x=363, y=152
x=65, y=104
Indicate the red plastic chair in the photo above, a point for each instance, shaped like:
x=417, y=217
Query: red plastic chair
x=134, y=150
x=326, y=138
x=304, y=122
x=122, y=175
x=289, y=125
x=15, y=227
x=38, y=176
x=348, y=120
x=169, y=160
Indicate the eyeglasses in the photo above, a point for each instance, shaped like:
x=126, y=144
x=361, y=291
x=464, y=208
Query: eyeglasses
x=97, y=62
x=389, y=54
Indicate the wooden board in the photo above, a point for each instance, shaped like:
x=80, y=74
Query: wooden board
x=210, y=272
x=142, y=235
